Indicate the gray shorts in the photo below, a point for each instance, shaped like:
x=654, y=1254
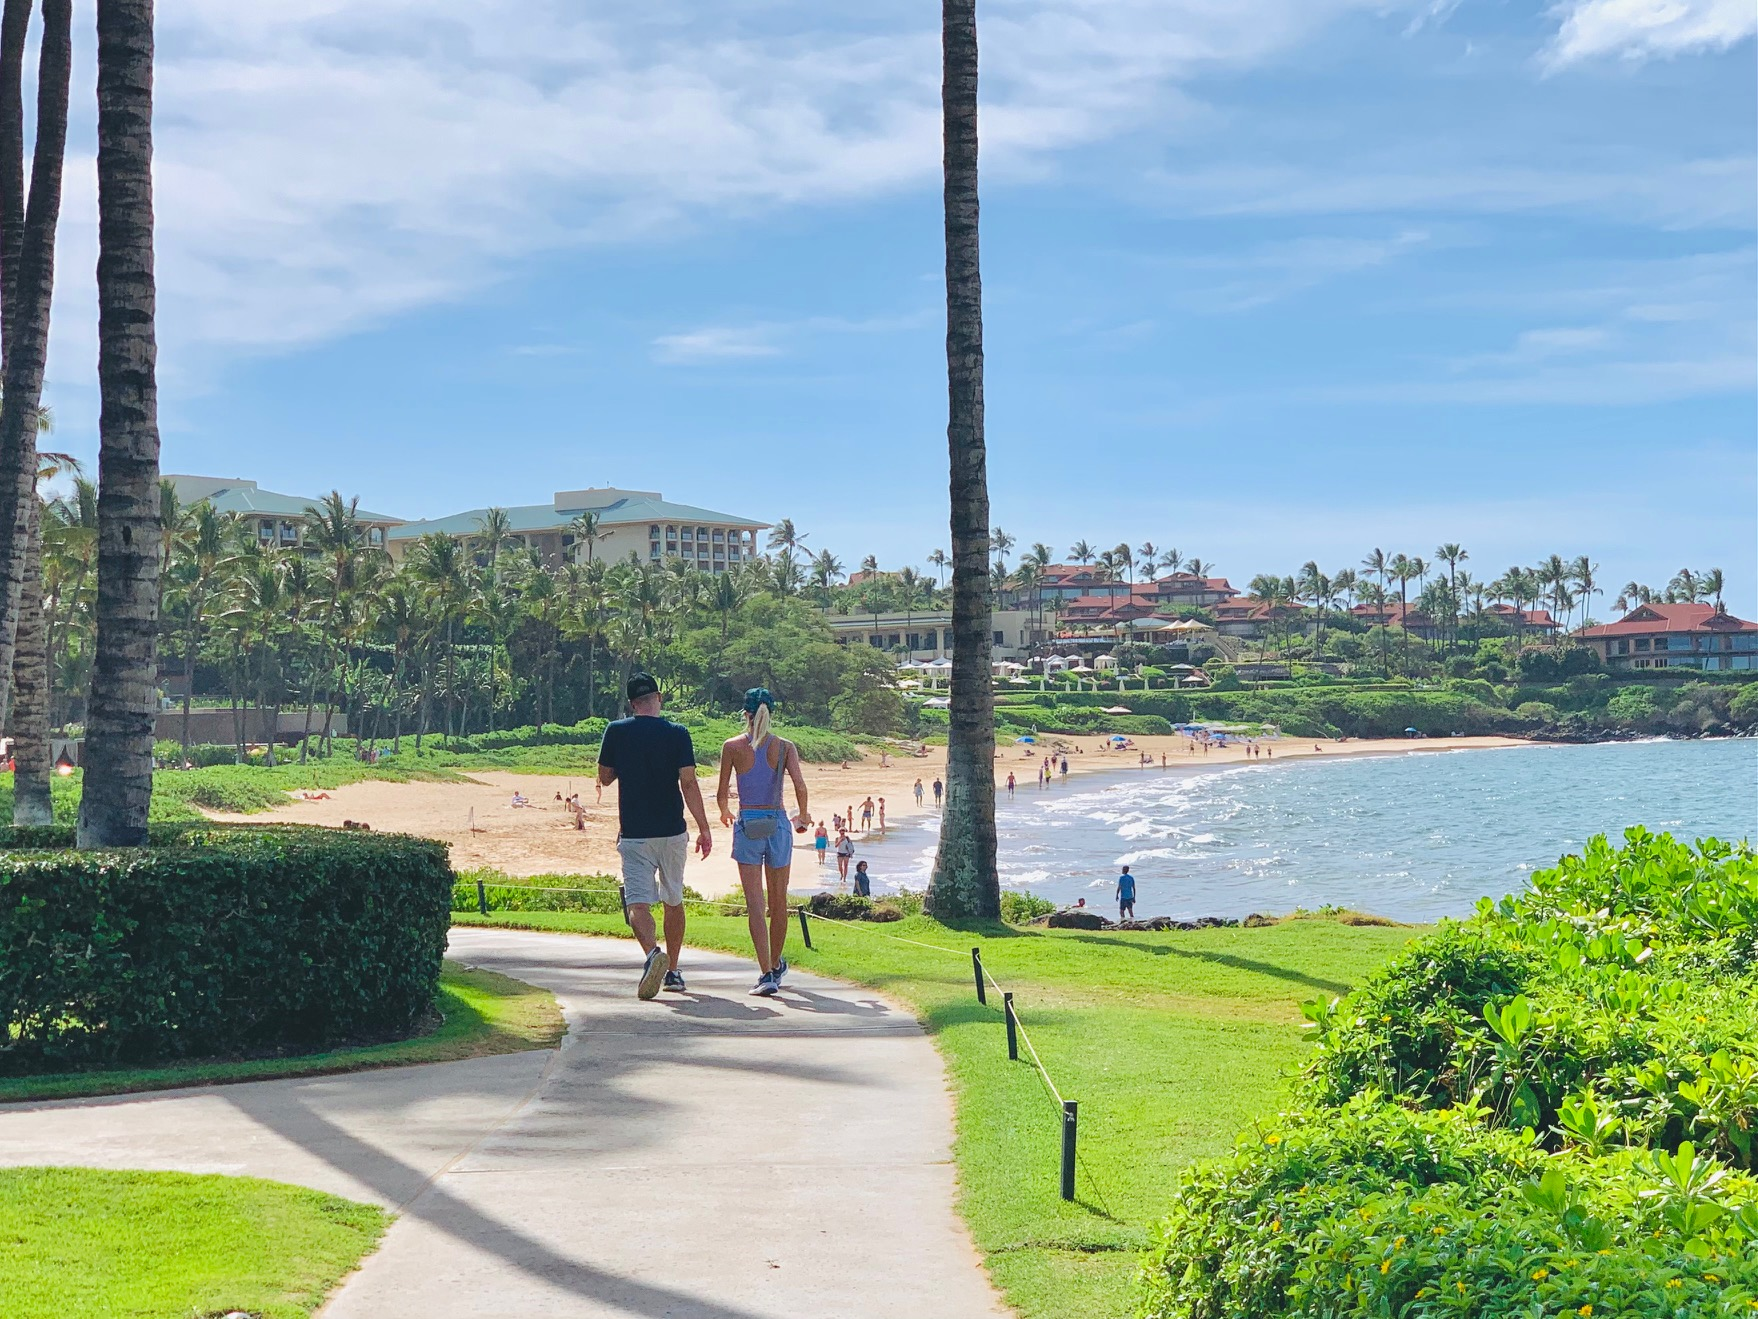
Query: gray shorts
x=653, y=869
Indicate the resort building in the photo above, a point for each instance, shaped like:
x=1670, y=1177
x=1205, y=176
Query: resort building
x=276, y=519
x=641, y=523
x=1077, y=581
x=927, y=635
x=1696, y=636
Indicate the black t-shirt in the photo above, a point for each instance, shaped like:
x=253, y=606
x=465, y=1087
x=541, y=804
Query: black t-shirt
x=647, y=752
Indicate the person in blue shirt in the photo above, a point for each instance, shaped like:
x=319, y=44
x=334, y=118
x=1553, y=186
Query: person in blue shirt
x=1126, y=896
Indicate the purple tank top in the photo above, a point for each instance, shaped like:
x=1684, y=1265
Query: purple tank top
x=760, y=786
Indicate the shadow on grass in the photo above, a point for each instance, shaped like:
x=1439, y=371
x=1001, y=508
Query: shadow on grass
x=1221, y=959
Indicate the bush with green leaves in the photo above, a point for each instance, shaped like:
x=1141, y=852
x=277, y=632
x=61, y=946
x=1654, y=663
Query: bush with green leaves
x=216, y=941
x=1550, y=1106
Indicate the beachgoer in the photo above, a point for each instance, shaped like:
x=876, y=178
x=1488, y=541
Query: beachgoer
x=763, y=844
x=882, y=815
x=1010, y=787
x=845, y=852
x=867, y=814
x=1162, y=760
x=1126, y=896
x=939, y=788
x=918, y=792
x=821, y=841
x=863, y=881
x=653, y=763
x=884, y=759
x=1064, y=766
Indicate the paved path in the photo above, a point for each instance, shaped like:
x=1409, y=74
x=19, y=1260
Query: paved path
x=710, y=1156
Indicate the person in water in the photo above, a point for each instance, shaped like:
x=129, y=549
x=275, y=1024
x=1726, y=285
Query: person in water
x=763, y=842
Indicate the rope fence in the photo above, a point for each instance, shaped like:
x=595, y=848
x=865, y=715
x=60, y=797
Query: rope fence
x=1067, y=1109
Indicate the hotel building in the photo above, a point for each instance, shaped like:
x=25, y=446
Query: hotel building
x=1694, y=636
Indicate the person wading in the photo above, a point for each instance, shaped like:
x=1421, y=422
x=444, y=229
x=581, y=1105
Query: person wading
x=653, y=762
x=763, y=845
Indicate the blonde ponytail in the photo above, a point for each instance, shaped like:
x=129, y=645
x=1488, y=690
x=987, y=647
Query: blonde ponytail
x=757, y=724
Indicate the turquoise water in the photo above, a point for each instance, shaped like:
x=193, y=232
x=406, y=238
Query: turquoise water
x=1411, y=836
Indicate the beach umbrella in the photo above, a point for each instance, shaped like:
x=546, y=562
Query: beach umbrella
x=1027, y=738
x=1118, y=709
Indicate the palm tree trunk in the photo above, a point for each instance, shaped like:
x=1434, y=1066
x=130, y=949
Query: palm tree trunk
x=119, y=721
x=27, y=281
x=965, y=882
x=30, y=689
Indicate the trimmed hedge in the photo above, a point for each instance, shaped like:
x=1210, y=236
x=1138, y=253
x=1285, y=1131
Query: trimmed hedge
x=215, y=941
x=1549, y=1109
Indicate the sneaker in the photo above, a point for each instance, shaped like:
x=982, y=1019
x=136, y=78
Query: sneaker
x=674, y=982
x=652, y=972
x=766, y=986
x=779, y=972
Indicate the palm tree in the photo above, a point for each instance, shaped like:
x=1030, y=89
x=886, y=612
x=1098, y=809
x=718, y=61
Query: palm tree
x=999, y=544
x=826, y=569
x=585, y=530
x=119, y=718
x=965, y=881
x=1172, y=560
x=870, y=566
x=1373, y=595
x=1712, y=584
x=27, y=279
x=783, y=537
x=1683, y=587
x=494, y=531
x=939, y=560
x=207, y=559
x=31, y=682
x=1401, y=570
x=1452, y=555
x=1081, y=552
x=1582, y=575
x=1198, y=567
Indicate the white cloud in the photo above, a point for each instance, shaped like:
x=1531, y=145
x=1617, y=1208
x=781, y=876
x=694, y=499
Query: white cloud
x=716, y=344
x=1277, y=270
x=1646, y=29
x=323, y=165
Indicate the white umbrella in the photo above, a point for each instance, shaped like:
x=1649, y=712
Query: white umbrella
x=1118, y=709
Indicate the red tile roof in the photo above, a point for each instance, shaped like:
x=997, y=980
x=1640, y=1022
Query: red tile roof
x=1530, y=617
x=1645, y=620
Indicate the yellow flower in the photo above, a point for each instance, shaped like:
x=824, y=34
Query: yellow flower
x=1273, y=1139
x=1539, y=1275
x=1674, y=1282
x=1276, y=1226
x=1439, y=1231
x=1584, y=1311
x=1710, y=1277
x=1398, y=1242
x=1461, y=1287
x=1385, y=1018
x=1385, y=1266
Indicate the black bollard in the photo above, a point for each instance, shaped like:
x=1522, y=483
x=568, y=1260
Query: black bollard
x=805, y=929
x=481, y=897
x=977, y=969
x=1012, y=1026
x=1070, y=1120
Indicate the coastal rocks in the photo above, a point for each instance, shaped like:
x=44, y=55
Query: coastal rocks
x=1077, y=920
x=1256, y=921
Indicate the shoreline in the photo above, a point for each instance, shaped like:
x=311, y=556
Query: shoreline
x=476, y=819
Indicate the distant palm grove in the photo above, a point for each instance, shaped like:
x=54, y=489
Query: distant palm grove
x=465, y=636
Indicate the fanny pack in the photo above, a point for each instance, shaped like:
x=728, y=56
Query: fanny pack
x=758, y=827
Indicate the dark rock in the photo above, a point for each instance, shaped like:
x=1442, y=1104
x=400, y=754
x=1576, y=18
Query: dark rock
x=1077, y=920
x=1257, y=921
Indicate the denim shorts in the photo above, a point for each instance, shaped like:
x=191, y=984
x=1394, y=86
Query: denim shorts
x=776, y=851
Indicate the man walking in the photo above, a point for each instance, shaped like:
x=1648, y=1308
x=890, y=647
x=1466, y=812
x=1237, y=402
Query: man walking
x=653, y=762
x=1126, y=896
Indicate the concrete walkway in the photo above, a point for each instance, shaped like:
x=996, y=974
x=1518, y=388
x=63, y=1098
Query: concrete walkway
x=707, y=1156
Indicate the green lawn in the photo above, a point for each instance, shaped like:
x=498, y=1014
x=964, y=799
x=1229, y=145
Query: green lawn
x=1170, y=1042
x=160, y=1245
x=478, y=1013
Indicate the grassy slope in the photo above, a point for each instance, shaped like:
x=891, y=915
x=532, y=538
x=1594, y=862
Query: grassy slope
x=1171, y=1042
x=481, y=1013
x=151, y=1245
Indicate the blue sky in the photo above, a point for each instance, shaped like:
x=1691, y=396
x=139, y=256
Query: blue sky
x=1265, y=280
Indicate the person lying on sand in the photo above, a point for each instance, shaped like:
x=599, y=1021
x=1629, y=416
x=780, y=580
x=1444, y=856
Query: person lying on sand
x=520, y=799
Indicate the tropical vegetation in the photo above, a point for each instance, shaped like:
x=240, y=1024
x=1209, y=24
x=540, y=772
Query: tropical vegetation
x=1547, y=1109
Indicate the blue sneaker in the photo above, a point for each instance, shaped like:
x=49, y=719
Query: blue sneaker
x=674, y=983
x=779, y=972
x=652, y=973
x=767, y=986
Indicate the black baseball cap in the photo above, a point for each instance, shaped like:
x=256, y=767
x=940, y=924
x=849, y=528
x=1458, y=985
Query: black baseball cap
x=642, y=684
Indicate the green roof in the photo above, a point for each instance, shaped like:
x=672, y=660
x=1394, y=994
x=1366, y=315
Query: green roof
x=527, y=518
x=252, y=500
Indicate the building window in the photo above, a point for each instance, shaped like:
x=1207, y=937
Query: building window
x=948, y=638
x=1642, y=643
x=653, y=550
x=265, y=531
x=895, y=641
x=876, y=641
x=701, y=533
x=733, y=554
x=719, y=536
x=689, y=534
x=915, y=641
x=1623, y=647
x=998, y=640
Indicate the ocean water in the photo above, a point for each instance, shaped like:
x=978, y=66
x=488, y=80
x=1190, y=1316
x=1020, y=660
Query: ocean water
x=1412, y=836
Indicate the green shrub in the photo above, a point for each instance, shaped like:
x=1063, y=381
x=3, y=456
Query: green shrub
x=851, y=907
x=1019, y=907
x=589, y=893
x=217, y=940
x=1550, y=1106
x=1742, y=708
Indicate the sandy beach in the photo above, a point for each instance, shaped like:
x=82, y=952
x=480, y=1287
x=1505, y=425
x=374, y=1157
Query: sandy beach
x=483, y=828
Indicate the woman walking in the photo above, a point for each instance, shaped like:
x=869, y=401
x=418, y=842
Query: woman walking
x=845, y=852
x=763, y=844
x=821, y=841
